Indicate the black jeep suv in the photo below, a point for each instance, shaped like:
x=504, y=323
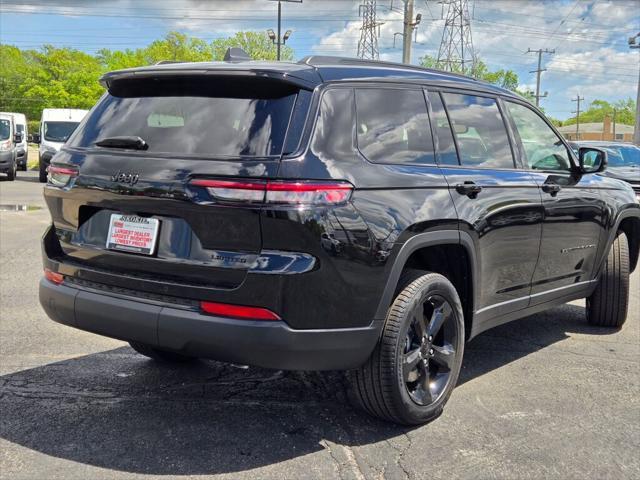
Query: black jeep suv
x=327, y=214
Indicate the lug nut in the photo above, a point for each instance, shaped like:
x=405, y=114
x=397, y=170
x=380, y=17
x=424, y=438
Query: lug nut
x=431, y=351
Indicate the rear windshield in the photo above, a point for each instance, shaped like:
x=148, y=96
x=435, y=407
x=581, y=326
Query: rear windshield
x=5, y=129
x=58, y=131
x=205, y=117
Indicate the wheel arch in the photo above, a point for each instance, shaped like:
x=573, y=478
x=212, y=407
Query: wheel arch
x=630, y=225
x=421, y=247
x=628, y=221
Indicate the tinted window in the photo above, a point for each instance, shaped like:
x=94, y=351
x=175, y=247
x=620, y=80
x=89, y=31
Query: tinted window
x=627, y=156
x=393, y=126
x=480, y=131
x=5, y=129
x=334, y=133
x=445, y=145
x=192, y=116
x=19, y=128
x=543, y=148
x=59, y=131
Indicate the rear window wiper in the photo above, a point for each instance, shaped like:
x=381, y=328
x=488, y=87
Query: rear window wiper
x=132, y=142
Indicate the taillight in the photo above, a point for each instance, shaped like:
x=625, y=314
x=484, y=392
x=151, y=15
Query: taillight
x=59, y=176
x=53, y=277
x=277, y=192
x=238, y=311
x=233, y=190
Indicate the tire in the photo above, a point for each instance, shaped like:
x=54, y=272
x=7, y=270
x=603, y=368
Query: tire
x=385, y=389
x=43, y=172
x=608, y=304
x=159, y=355
x=12, y=172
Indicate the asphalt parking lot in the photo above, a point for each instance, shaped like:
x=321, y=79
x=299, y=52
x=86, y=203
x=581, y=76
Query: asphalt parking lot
x=547, y=396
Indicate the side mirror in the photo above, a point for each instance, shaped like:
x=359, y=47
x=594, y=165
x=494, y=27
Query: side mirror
x=592, y=160
x=34, y=138
x=17, y=138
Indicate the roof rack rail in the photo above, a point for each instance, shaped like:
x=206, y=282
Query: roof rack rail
x=167, y=62
x=324, y=60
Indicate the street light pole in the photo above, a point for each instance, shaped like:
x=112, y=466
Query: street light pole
x=279, y=26
x=279, y=41
x=636, y=129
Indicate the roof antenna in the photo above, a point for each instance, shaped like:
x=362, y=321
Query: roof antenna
x=236, y=54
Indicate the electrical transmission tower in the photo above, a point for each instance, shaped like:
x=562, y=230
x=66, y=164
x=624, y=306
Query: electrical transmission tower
x=369, y=32
x=456, y=52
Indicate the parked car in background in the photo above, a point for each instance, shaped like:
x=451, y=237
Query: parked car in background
x=330, y=214
x=56, y=126
x=623, y=161
x=9, y=141
x=22, y=151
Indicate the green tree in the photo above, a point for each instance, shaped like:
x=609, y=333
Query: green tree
x=51, y=77
x=625, y=112
x=502, y=78
x=257, y=45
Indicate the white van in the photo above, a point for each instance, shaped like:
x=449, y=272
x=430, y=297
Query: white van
x=9, y=140
x=23, y=151
x=56, y=126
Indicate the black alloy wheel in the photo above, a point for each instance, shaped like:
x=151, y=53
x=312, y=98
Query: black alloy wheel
x=412, y=371
x=430, y=350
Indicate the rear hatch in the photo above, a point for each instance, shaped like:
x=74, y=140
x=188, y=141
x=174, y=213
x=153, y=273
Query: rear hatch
x=122, y=193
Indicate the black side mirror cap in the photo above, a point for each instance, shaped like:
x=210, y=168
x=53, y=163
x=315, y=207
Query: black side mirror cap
x=592, y=160
x=34, y=138
x=17, y=138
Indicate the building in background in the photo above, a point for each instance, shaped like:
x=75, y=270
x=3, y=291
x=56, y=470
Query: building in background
x=599, y=131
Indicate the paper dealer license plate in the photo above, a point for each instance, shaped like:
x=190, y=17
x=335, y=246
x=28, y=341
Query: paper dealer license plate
x=131, y=233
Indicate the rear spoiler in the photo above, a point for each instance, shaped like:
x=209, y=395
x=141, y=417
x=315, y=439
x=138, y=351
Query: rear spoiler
x=307, y=80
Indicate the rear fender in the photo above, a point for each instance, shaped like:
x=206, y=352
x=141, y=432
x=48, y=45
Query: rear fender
x=419, y=241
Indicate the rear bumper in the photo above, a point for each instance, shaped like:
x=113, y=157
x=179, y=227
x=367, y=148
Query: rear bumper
x=271, y=344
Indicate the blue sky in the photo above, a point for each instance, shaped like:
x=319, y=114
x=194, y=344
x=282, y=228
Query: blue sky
x=592, y=58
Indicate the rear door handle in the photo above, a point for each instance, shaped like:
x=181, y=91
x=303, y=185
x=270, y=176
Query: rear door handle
x=551, y=188
x=469, y=189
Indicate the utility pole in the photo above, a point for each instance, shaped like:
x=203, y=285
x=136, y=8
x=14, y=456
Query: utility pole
x=636, y=129
x=456, y=47
x=407, y=31
x=614, y=124
x=410, y=24
x=578, y=99
x=279, y=40
x=539, y=71
x=368, y=43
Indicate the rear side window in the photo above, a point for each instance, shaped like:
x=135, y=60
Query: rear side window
x=393, y=126
x=193, y=116
x=480, y=131
x=445, y=146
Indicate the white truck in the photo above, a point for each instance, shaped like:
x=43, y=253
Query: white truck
x=56, y=126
